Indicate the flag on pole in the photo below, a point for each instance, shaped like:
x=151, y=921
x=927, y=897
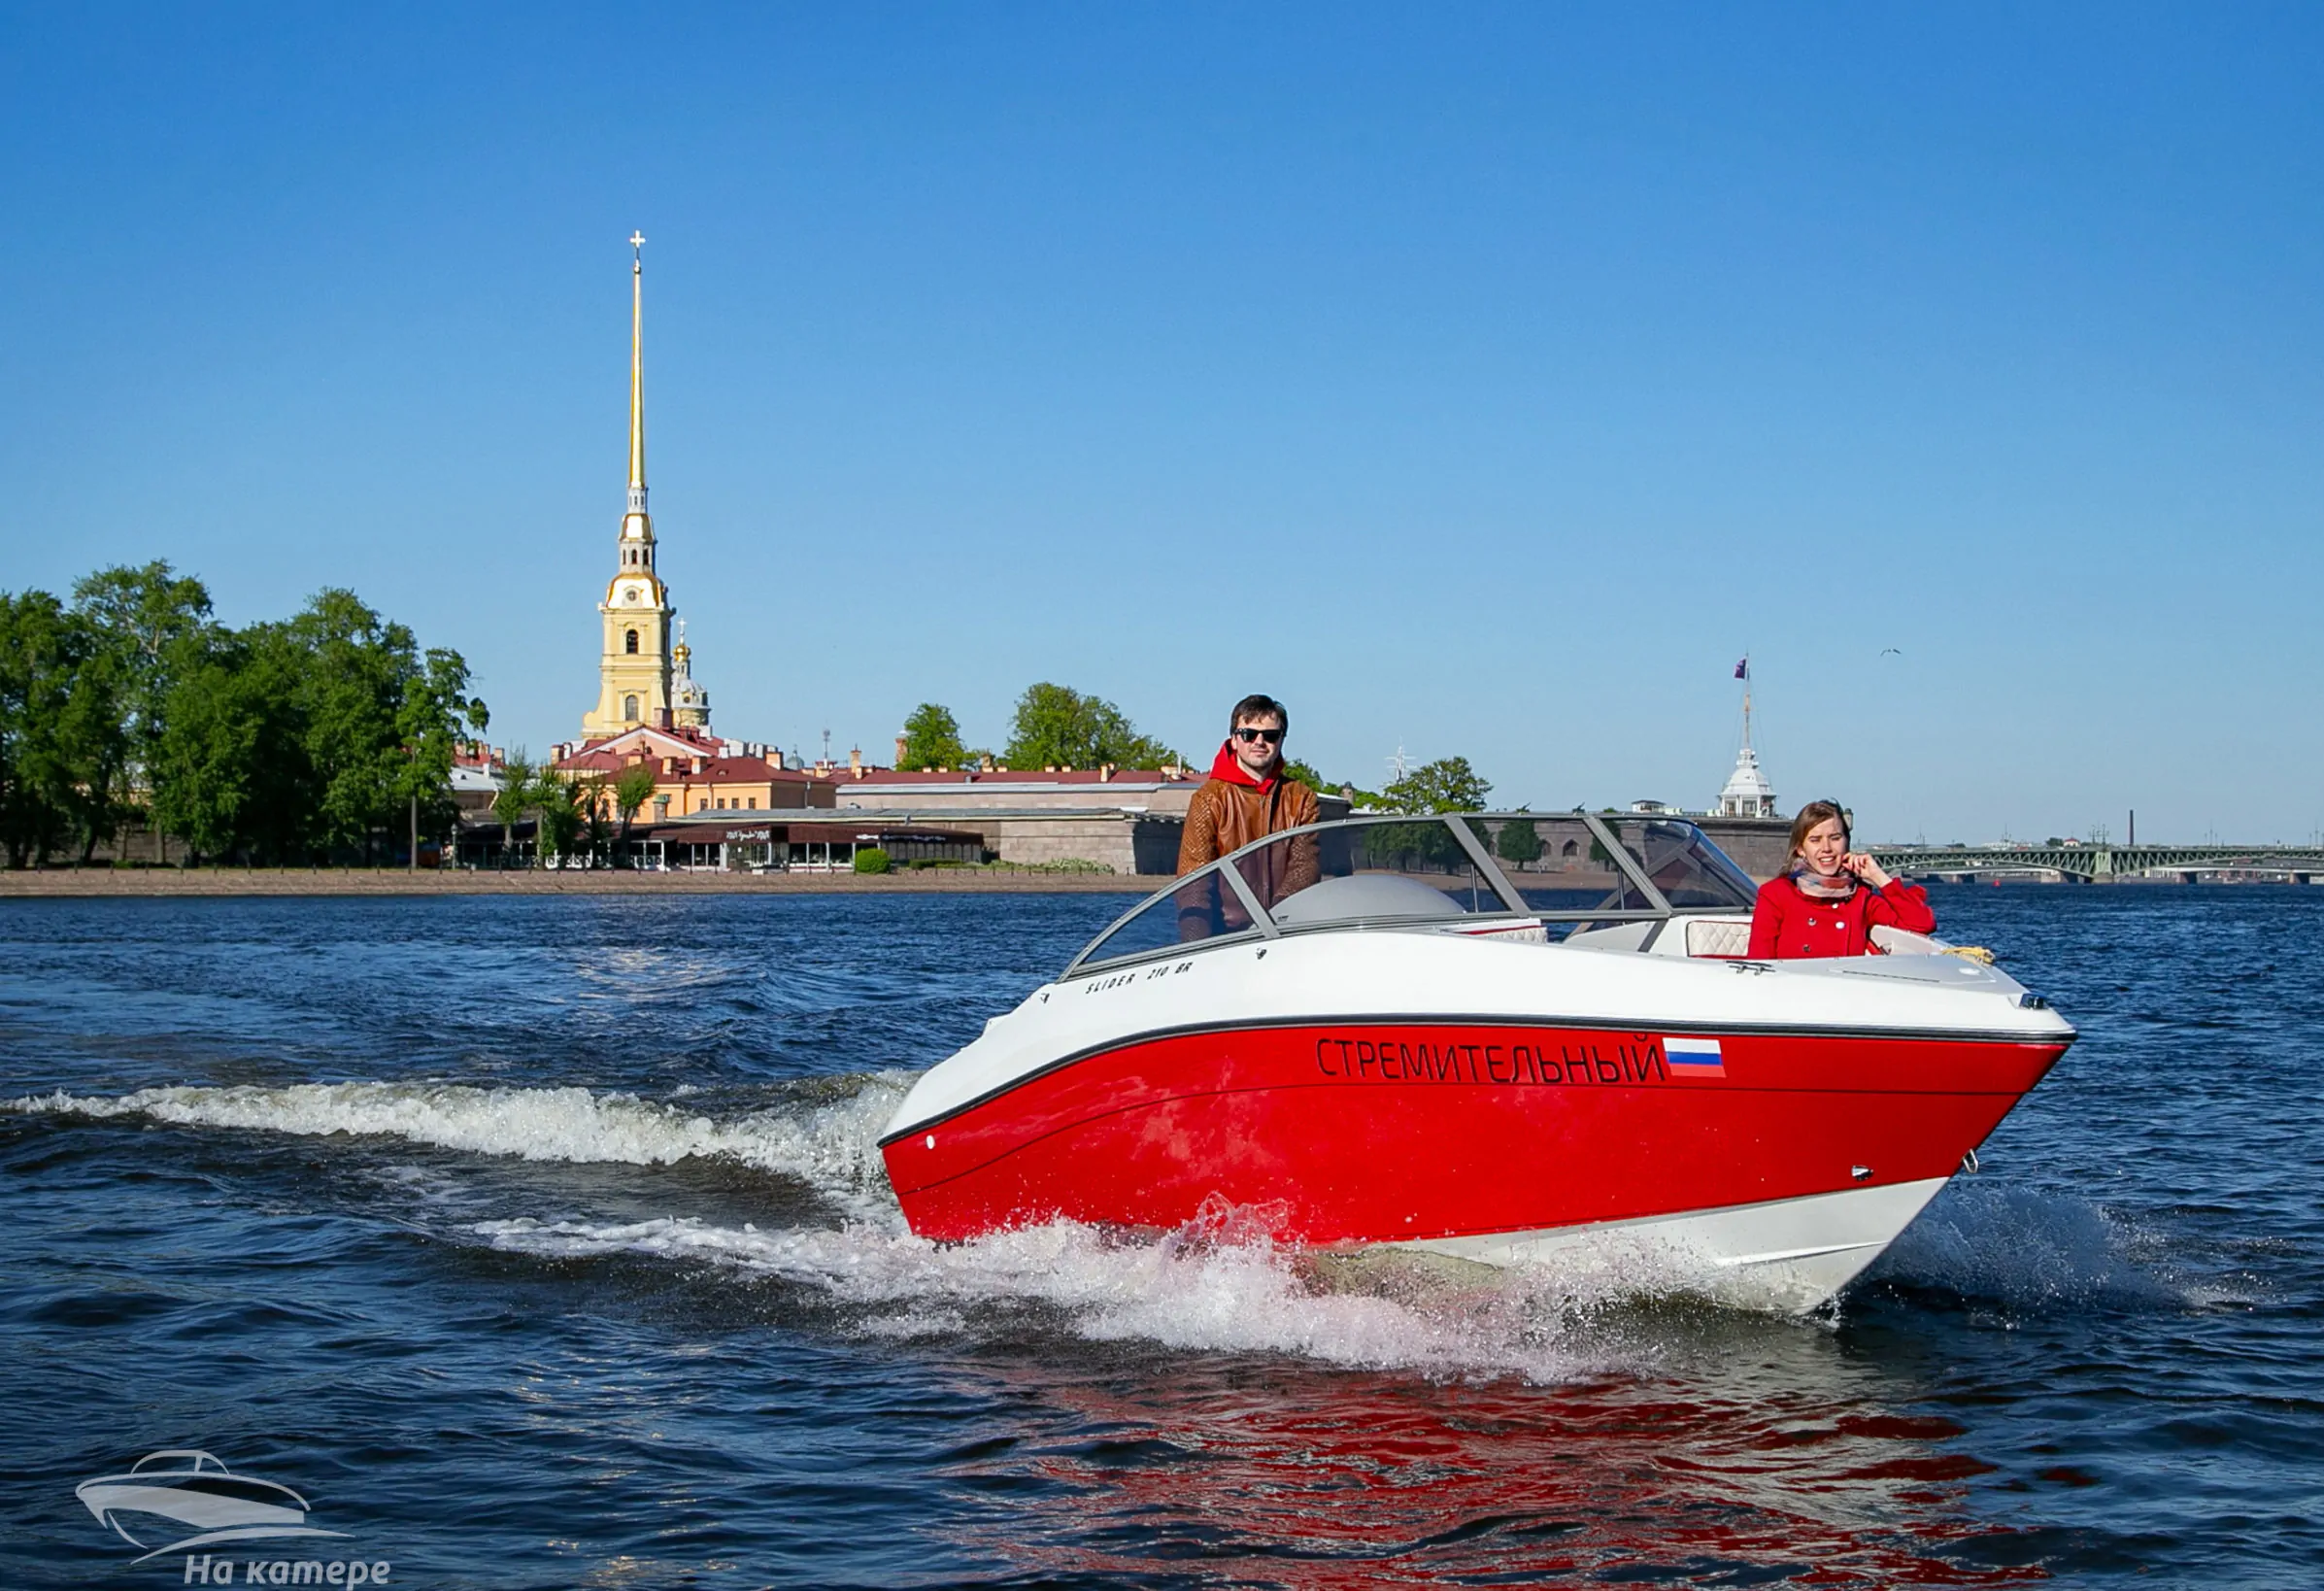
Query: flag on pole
x=1742, y=669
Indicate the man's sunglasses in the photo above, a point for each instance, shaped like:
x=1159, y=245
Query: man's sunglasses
x=1248, y=736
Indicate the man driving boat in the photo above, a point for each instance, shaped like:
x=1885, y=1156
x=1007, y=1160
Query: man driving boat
x=1246, y=797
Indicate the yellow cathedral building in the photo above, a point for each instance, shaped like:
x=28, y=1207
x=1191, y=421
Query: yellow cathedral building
x=645, y=674
x=650, y=709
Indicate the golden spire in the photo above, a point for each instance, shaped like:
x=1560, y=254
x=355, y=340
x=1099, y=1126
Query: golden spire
x=637, y=373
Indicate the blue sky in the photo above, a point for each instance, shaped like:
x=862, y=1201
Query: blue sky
x=1480, y=379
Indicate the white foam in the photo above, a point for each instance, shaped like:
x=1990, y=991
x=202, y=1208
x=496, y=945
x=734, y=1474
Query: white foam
x=1181, y=1293
x=832, y=1146
x=2023, y=1249
x=1219, y=1286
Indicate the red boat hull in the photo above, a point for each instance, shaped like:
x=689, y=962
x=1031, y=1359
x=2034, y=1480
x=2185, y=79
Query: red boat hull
x=1392, y=1132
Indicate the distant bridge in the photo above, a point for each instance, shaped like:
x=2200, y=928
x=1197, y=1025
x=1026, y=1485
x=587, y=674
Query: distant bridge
x=2095, y=864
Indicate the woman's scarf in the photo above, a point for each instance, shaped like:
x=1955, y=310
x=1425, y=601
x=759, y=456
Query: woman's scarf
x=1816, y=887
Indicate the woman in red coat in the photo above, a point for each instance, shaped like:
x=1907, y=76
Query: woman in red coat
x=1829, y=897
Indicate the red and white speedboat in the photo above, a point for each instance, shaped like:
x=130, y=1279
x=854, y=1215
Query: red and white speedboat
x=1374, y=1033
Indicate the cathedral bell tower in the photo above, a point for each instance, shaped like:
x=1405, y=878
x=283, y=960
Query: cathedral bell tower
x=634, y=672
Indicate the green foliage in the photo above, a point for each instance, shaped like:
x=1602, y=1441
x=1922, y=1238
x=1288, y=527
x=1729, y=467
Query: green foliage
x=377, y=720
x=1056, y=727
x=1402, y=846
x=594, y=794
x=42, y=655
x=1293, y=769
x=631, y=790
x=1519, y=841
x=555, y=801
x=281, y=742
x=1446, y=785
x=871, y=859
x=512, y=801
x=136, y=619
x=206, y=766
x=932, y=740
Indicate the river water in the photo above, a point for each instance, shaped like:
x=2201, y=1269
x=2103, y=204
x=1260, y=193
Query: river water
x=542, y=1244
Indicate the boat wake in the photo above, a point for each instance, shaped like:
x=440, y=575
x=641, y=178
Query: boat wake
x=1180, y=1292
x=1217, y=1285
x=823, y=1133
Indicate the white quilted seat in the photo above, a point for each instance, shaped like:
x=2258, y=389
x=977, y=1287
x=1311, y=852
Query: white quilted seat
x=1721, y=938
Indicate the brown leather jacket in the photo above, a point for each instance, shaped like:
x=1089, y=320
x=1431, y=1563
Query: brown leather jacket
x=1224, y=816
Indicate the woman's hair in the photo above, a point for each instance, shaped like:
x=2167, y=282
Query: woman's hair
x=1812, y=814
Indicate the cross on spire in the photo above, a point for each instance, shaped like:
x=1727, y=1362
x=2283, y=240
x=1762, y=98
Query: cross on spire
x=637, y=381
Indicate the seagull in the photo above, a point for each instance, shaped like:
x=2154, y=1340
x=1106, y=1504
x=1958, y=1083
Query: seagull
x=1891, y=652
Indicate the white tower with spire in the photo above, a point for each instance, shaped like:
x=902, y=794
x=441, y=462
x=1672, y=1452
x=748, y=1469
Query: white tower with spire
x=690, y=703
x=1747, y=793
x=634, y=672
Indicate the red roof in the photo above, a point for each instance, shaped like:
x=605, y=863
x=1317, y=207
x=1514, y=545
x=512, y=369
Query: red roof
x=685, y=735
x=1020, y=776
x=714, y=771
x=754, y=770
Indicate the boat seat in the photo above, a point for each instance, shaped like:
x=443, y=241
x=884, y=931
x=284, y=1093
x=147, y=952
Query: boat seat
x=1719, y=938
x=1363, y=895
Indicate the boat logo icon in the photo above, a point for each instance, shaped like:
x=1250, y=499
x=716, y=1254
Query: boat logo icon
x=186, y=1487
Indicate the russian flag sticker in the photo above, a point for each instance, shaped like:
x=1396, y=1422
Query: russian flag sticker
x=1694, y=1056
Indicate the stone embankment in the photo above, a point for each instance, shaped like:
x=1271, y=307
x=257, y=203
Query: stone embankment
x=67, y=882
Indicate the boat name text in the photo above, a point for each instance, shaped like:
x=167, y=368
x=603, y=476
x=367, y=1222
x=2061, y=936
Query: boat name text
x=1387, y=1060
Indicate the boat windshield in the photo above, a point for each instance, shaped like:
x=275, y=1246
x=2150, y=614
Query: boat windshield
x=1199, y=906
x=1564, y=865
x=1568, y=868
x=1362, y=870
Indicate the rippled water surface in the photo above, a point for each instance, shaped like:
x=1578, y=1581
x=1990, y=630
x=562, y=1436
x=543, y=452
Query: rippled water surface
x=542, y=1244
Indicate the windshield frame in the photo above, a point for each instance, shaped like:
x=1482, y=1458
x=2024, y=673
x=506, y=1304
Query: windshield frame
x=1264, y=926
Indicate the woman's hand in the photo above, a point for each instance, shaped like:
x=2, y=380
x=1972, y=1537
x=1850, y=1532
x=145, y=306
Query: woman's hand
x=1866, y=868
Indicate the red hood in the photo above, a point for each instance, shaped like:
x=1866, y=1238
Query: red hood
x=1230, y=767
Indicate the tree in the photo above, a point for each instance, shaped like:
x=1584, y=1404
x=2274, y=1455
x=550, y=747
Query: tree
x=556, y=803
x=350, y=690
x=300, y=738
x=632, y=790
x=376, y=720
x=283, y=824
x=593, y=799
x=137, y=619
x=1519, y=841
x=85, y=735
x=205, y=768
x=1447, y=785
x=42, y=651
x=932, y=740
x=511, y=802
x=434, y=718
x=1056, y=727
